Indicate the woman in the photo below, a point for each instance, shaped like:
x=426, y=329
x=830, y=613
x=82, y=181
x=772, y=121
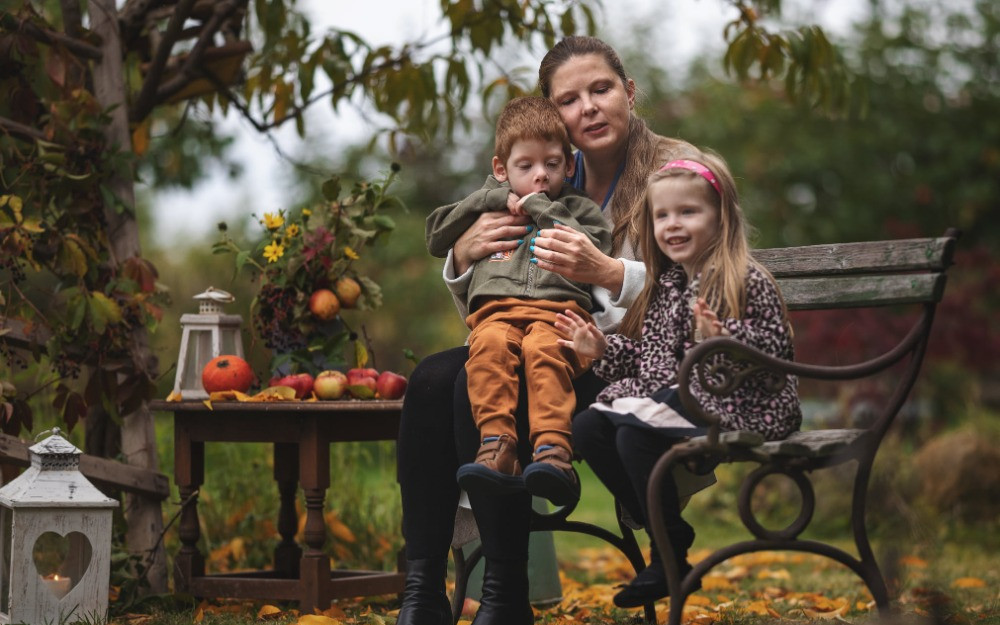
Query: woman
x=585, y=79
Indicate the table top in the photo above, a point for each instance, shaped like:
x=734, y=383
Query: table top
x=305, y=407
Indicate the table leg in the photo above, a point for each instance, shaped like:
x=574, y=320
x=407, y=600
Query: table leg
x=314, y=471
x=286, y=473
x=189, y=474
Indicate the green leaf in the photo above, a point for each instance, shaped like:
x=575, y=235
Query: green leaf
x=103, y=310
x=360, y=391
x=242, y=258
x=331, y=188
x=384, y=222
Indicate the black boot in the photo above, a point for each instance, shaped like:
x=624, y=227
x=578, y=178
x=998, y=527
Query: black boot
x=505, y=594
x=424, y=600
x=651, y=582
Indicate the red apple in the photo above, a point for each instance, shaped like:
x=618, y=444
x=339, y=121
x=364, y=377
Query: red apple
x=390, y=385
x=330, y=384
x=324, y=305
x=301, y=382
x=362, y=383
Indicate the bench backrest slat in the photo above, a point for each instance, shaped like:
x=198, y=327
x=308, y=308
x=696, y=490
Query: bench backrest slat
x=858, y=258
x=852, y=275
x=861, y=291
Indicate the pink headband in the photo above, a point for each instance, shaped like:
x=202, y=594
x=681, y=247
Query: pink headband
x=697, y=168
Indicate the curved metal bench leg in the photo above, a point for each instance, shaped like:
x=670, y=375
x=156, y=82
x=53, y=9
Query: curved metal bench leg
x=463, y=569
x=873, y=577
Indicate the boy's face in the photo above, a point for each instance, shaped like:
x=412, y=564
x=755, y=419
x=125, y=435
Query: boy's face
x=534, y=166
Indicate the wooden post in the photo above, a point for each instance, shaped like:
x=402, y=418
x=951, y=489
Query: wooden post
x=144, y=516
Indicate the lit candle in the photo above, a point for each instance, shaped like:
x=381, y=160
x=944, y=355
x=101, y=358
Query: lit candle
x=58, y=586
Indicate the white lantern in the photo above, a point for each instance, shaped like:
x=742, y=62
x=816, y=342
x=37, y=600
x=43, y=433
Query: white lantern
x=205, y=335
x=55, y=540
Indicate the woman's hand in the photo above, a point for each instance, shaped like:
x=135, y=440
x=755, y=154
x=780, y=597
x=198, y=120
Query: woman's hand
x=585, y=338
x=706, y=322
x=572, y=255
x=492, y=232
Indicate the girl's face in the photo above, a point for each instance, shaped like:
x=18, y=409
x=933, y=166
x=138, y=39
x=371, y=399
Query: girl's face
x=685, y=219
x=593, y=103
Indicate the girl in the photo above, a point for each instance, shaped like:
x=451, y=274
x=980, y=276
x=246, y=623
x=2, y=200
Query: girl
x=700, y=282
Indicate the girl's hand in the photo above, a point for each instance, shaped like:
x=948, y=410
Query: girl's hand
x=492, y=232
x=571, y=254
x=585, y=338
x=706, y=321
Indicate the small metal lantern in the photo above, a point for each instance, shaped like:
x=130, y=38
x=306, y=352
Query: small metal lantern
x=208, y=334
x=55, y=540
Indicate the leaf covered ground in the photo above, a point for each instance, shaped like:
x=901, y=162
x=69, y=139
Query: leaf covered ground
x=768, y=587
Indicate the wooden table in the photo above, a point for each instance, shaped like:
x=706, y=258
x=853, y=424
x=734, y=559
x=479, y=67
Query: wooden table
x=301, y=433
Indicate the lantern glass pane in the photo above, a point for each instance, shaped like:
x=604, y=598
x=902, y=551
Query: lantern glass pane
x=229, y=338
x=198, y=354
x=6, y=529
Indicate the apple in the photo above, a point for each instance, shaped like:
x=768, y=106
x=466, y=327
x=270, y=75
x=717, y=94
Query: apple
x=390, y=385
x=324, y=305
x=348, y=291
x=359, y=379
x=330, y=384
x=301, y=382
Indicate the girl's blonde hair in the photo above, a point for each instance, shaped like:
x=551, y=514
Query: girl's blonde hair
x=724, y=264
x=646, y=150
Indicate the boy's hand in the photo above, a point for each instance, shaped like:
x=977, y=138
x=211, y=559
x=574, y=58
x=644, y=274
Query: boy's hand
x=515, y=205
x=706, y=321
x=585, y=338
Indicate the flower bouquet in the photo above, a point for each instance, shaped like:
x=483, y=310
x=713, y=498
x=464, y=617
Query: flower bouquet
x=306, y=274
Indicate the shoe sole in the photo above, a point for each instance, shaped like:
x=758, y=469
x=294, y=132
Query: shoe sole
x=640, y=598
x=477, y=478
x=550, y=483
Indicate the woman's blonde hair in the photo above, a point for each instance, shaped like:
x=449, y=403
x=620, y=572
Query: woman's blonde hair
x=646, y=150
x=724, y=264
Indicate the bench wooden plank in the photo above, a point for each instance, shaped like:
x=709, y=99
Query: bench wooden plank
x=861, y=291
x=813, y=443
x=931, y=254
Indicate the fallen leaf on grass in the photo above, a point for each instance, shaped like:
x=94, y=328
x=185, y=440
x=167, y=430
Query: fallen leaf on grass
x=761, y=608
x=820, y=614
x=968, y=582
x=774, y=574
x=269, y=612
x=318, y=619
x=913, y=561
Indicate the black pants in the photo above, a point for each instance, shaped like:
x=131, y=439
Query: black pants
x=436, y=436
x=623, y=457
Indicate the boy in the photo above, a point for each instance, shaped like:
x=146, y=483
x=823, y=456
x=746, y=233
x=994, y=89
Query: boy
x=513, y=305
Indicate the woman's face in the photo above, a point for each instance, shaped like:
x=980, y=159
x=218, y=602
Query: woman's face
x=593, y=103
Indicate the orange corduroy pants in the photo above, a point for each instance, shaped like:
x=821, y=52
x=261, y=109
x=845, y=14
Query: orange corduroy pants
x=510, y=332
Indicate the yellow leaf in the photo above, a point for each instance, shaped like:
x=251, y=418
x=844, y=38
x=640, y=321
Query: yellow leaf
x=778, y=574
x=913, y=561
x=360, y=354
x=175, y=396
x=199, y=616
x=140, y=138
x=758, y=607
x=968, y=582
x=207, y=403
x=695, y=600
x=318, y=619
x=839, y=612
x=715, y=582
x=274, y=393
x=268, y=612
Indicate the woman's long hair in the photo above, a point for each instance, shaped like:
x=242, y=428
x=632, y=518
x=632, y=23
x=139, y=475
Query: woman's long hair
x=724, y=263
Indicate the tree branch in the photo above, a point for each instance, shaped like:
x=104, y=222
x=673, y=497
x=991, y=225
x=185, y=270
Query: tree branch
x=189, y=70
x=19, y=130
x=147, y=96
x=50, y=37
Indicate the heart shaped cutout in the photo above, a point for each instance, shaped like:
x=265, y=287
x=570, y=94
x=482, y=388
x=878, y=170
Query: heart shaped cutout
x=61, y=561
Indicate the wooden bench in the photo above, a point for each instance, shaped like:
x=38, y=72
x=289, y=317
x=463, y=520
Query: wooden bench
x=817, y=277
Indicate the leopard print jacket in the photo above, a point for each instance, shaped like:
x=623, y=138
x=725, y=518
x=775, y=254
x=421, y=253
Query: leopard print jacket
x=639, y=369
